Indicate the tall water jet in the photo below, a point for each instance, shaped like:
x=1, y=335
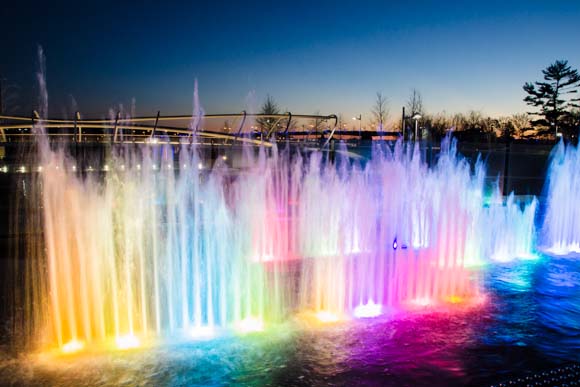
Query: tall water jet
x=197, y=115
x=561, y=228
x=398, y=232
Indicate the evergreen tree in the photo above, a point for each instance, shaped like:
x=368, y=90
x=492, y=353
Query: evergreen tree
x=552, y=96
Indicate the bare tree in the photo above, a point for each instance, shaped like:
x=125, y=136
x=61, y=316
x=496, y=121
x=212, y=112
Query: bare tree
x=316, y=125
x=380, y=111
x=438, y=123
x=520, y=122
x=474, y=120
x=415, y=103
x=458, y=122
x=9, y=97
x=341, y=124
x=270, y=107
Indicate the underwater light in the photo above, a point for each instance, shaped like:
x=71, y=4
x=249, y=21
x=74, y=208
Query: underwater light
x=501, y=257
x=370, y=309
x=127, y=342
x=326, y=317
x=424, y=301
x=249, y=325
x=202, y=332
x=264, y=258
x=564, y=249
x=395, y=244
x=73, y=346
x=455, y=299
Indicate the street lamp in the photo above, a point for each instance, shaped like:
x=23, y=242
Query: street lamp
x=416, y=117
x=359, y=118
x=555, y=127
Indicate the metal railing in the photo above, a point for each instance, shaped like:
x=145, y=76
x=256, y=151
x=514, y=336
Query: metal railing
x=157, y=128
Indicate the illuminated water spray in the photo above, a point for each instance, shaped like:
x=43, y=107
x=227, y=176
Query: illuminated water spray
x=561, y=229
x=152, y=245
x=156, y=246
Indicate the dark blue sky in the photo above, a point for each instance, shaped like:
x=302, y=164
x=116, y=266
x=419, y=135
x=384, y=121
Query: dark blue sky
x=311, y=56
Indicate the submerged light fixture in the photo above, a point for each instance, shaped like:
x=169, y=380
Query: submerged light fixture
x=73, y=346
x=127, y=342
x=326, y=317
x=204, y=332
x=368, y=310
x=250, y=325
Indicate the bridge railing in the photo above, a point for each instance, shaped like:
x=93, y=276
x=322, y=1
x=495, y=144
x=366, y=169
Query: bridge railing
x=244, y=127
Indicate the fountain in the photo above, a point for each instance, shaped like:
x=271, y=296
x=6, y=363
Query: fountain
x=161, y=244
x=155, y=241
x=561, y=228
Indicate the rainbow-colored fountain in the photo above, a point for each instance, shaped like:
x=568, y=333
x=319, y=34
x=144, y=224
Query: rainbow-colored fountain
x=157, y=242
x=161, y=244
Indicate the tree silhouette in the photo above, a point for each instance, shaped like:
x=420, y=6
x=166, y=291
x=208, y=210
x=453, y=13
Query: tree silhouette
x=415, y=103
x=380, y=111
x=414, y=107
x=316, y=125
x=270, y=107
x=552, y=97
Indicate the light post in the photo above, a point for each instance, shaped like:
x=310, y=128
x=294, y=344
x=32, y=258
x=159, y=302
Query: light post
x=359, y=118
x=555, y=128
x=416, y=117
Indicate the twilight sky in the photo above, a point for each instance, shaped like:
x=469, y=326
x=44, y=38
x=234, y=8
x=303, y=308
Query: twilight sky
x=311, y=56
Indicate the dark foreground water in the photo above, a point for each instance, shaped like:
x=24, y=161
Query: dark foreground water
x=529, y=323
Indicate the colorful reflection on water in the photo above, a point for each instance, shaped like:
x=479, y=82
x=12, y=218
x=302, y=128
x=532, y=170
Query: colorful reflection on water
x=530, y=321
